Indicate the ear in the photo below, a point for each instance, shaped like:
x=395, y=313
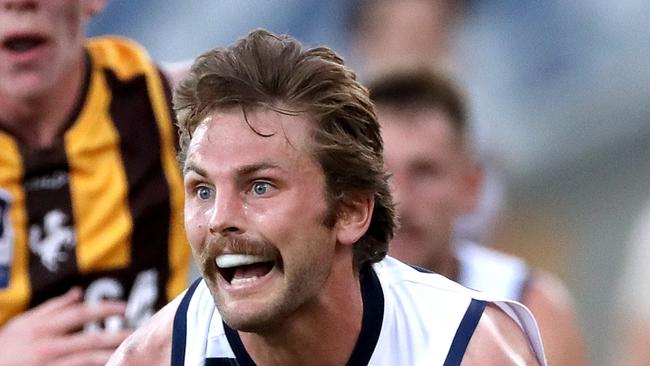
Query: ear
x=94, y=7
x=354, y=218
x=472, y=185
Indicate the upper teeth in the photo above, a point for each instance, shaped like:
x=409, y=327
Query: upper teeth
x=234, y=260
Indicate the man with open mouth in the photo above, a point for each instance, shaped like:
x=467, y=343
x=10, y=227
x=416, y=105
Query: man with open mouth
x=289, y=214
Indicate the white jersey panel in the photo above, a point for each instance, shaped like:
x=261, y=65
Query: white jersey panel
x=409, y=303
x=410, y=318
x=488, y=270
x=413, y=298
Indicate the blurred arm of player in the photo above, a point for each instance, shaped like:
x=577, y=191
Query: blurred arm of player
x=549, y=300
x=498, y=341
x=150, y=344
x=52, y=333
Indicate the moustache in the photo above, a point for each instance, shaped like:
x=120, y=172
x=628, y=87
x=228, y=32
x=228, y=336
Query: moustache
x=220, y=245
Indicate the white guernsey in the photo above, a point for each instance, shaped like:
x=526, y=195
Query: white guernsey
x=409, y=318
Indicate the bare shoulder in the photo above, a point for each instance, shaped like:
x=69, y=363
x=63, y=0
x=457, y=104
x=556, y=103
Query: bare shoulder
x=151, y=343
x=549, y=300
x=498, y=340
x=547, y=291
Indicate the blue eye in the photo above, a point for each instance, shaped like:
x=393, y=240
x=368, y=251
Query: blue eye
x=203, y=192
x=260, y=188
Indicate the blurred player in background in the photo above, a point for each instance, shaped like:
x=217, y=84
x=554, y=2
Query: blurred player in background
x=91, y=237
x=436, y=180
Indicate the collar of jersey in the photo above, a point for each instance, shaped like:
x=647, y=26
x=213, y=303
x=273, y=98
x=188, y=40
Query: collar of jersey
x=373, y=314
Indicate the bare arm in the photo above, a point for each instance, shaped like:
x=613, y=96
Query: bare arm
x=50, y=333
x=498, y=341
x=550, y=302
x=151, y=344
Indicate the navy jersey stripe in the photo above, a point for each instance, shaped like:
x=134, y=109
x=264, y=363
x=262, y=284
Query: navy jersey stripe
x=420, y=269
x=179, y=332
x=237, y=346
x=464, y=332
x=221, y=361
x=373, y=316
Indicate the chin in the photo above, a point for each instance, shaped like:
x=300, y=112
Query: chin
x=256, y=316
x=250, y=323
x=28, y=87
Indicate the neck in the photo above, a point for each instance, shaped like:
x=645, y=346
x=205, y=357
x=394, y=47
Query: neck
x=38, y=120
x=322, y=332
x=448, y=267
x=444, y=262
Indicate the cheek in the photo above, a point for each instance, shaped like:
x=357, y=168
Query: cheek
x=195, y=225
x=433, y=199
x=71, y=21
x=299, y=230
x=306, y=249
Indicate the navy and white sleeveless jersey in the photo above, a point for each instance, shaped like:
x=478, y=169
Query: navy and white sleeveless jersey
x=410, y=318
x=488, y=270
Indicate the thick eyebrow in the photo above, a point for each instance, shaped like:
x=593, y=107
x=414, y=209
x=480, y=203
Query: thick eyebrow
x=191, y=167
x=256, y=167
x=242, y=171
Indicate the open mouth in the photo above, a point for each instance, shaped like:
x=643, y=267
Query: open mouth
x=23, y=43
x=241, y=269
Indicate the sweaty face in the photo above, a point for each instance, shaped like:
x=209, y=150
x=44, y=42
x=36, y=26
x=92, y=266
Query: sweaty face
x=430, y=183
x=254, y=215
x=40, y=41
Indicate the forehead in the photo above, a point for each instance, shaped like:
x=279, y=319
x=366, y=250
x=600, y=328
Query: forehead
x=395, y=17
x=230, y=138
x=429, y=134
x=422, y=124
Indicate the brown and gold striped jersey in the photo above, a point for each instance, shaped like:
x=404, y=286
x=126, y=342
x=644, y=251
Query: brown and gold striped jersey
x=102, y=208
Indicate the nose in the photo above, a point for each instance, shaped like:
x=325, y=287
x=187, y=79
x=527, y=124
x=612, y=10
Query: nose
x=227, y=216
x=19, y=5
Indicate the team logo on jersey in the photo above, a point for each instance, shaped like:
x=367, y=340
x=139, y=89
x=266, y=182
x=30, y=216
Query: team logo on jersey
x=52, y=242
x=141, y=300
x=6, y=239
